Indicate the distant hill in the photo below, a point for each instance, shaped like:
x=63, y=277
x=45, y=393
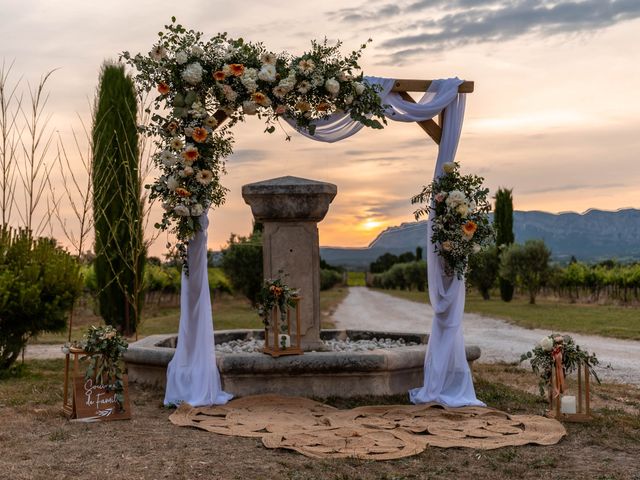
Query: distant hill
x=591, y=236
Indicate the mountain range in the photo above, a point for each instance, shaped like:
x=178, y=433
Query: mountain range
x=589, y=237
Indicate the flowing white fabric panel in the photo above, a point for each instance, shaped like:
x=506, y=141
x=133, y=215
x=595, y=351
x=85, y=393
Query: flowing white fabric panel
x=447, y=378
x=192, y=374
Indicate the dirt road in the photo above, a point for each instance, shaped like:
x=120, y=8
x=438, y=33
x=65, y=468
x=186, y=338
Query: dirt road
x=499, y=341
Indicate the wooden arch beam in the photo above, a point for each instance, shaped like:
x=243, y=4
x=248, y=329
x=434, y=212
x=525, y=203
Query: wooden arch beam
x=403, y=86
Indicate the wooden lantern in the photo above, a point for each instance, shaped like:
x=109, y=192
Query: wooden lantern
x=274, y=337
x=571, y=408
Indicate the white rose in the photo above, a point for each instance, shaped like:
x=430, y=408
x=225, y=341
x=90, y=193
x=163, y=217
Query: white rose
x=193, y=73
x=249, y=108
x=359, y=87
x=332, y=86
x=182, y=210
x=197, y=51
x=197, y=210
x=476, y=248
x=181, y=57
x=172, y=183
x=449, y=167
x=455, y=198
x=462, y=210
x=348, y=99
x=267, y=73
x=546, y=343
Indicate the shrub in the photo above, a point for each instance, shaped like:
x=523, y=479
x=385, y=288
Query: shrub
x=242, y=264
x=329, y=278
x=39, y=283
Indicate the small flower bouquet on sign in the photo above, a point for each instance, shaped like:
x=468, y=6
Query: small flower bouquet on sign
x=100, y=393
x=553, y=359
x=276, y=299
x=459, y=212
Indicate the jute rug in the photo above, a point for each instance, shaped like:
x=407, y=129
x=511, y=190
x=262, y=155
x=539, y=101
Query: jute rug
x=373, y=433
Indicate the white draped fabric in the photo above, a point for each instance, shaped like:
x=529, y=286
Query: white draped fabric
x=447, y=378
x=192, y=374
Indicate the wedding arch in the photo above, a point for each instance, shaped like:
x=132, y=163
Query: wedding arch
x=204, y=88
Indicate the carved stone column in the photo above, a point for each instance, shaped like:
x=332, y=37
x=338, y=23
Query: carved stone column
x=290, y=209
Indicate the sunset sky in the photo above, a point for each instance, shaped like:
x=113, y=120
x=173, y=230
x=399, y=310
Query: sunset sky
x=555, y=114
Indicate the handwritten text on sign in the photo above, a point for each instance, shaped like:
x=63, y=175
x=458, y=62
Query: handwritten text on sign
x=98, y=401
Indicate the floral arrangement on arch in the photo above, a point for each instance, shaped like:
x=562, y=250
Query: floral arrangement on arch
x=460, y=220
x=104, y=347
x=544, y=354
x=276, y=294
x=200, y=84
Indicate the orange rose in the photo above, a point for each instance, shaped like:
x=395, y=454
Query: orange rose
x=237, y=69
x=219, y=75
x=323, y=107
x=163, y=88
x=260, y=98
x=469, y=228
x=199, y=134
x=182, y=192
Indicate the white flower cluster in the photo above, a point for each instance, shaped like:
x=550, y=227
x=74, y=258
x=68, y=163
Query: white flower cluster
x=192, y=74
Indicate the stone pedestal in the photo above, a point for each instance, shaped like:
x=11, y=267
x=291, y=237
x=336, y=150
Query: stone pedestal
x=290, y=209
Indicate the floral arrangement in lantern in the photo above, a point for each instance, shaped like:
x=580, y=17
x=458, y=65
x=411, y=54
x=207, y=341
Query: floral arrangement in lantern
x=553, y=359
x=458, y=209
x=276, y=299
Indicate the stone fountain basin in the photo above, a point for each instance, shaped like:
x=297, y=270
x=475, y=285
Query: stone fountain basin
x=319, y=374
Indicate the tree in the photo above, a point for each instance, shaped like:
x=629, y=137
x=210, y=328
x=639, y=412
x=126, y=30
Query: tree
x=526, y=264
x=117, y=206
x=503, y=225
x=39, y=283
x=418, y=253
x=242, y=264
x=483, y=270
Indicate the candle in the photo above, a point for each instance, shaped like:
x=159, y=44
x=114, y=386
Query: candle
x=284, y=341
x=568, y=404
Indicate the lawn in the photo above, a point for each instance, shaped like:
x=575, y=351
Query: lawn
x=606, y=320
x=37, y=442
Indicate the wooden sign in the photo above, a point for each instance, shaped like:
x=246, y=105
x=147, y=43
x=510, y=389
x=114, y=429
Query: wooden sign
x=97, y=403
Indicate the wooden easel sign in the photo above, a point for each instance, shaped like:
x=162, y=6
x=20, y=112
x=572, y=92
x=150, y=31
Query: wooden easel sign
x=96, y=403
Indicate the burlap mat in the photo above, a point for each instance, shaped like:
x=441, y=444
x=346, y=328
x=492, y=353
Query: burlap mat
x=374, y=433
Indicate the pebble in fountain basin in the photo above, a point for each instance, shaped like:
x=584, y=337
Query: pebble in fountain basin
x=351, y=372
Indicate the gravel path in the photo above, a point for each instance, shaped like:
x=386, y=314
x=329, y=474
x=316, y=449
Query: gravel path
x=366, y=309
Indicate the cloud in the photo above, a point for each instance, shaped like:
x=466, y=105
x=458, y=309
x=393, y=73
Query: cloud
x=575, y=186
x=247, y=156
x=454, y=23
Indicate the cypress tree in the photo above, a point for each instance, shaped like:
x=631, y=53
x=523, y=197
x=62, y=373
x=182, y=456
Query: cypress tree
x=117, y=205
x=503, y=224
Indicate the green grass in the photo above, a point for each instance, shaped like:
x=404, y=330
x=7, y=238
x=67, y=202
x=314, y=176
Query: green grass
x=605, y=320
x=35, y=382
x=355, y=279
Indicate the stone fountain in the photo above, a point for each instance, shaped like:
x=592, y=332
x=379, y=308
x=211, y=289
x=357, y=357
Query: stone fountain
x=290, y=209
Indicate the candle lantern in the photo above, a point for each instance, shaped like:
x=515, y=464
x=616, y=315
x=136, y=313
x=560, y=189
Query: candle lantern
x=572, y=404
x=282, y=333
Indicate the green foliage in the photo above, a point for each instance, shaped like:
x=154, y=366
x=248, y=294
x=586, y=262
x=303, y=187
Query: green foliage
x=403, y=276
x=104, y=348
x=242, y=264
x=503, y=226
x=275, y=294
x=119, y=246
x=483, y=270
x=39, y=283
x=385, y=261
x=527, y=265
x=329, y=278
